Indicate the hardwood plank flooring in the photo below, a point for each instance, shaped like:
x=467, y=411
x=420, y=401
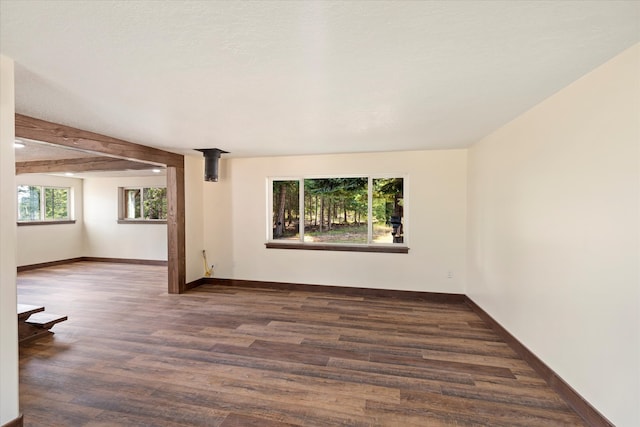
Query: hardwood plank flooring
x=131, y=354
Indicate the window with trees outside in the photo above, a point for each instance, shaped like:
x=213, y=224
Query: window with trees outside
x=43, y=204
x=143, y=204
x=352, y=212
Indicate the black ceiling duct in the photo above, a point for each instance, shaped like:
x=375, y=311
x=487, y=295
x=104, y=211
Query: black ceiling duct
x=211, y=156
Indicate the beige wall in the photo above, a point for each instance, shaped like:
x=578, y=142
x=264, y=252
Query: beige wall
x=195, y=215
x=436, y=215
x=217, y=225
x=97, y=233
x=104, y=237
x=554, y=233
x=8, y=319
x=45, y=243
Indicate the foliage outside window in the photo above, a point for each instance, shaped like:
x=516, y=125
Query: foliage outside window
x=143, y=203
x=354, y=211
x=38, y=203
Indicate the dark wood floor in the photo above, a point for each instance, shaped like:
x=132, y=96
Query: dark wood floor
x=132, y=355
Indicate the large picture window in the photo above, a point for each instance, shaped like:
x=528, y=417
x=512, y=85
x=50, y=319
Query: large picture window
x=38, y=203
x=347, y=211
x=143, y=204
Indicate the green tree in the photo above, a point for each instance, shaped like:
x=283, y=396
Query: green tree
x=388, y=205
x=56, y=203
x=285, y=201
x=28, y=203
x=336, y=195
x=154, y=200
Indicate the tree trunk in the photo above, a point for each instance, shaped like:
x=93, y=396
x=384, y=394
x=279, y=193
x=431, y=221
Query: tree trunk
x=315, y=211
x=279, y=231
x=321, y=213
x=344, y=206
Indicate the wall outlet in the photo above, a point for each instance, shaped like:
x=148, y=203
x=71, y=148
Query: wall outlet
x=450, y=274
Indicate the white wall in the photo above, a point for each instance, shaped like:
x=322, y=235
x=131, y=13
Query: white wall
x=104, y=237
x=436, y=213
x=97, y=233
x=9, y=408
x=218, y=215
x=53, y=242
x=195, y=215
x=553, y=246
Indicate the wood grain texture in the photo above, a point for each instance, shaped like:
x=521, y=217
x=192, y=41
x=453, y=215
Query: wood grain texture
x=53, y=222
x=92, y=164
x=338, y=247
x=26, y=310
x=45, y=320
x=176, y=253
x=66, y=136
x=335, y=290
x=37, y=325
x=132, y=354
x=95, y=259
x=27, y=331
x=125, y=260
x=591, y=415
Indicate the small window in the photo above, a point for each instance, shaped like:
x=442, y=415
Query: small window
x=286, y=216
x=38, y=203
x=388, y=210
x=342, y=211
x=143, y=204
x=56, y=204
x=133, y=203
x=29, y=203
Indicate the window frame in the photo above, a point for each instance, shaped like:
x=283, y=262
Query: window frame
x=42, y=220
x=369, y=246
x=122, y=209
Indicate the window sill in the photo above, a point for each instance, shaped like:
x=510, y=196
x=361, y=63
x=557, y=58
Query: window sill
x=66, y=221
x=142, y=221
x=339, y=247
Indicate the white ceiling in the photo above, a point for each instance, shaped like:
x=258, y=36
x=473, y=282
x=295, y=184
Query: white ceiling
x=280, y=78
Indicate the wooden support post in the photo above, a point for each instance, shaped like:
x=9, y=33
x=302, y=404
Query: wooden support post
x=176, y=229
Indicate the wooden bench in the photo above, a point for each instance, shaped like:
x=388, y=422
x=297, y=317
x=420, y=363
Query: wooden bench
x=34, y=323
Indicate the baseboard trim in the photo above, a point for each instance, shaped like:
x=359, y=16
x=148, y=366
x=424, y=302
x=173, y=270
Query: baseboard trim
x=339, y=290
x=17, y=422
x=196, y=283
x=93, y=259
x=48, y=264
x=126, y=261
x=583, y=408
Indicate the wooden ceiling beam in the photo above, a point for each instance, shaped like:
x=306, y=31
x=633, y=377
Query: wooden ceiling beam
x=66, y=136
x=85, y=164
x=40, y=130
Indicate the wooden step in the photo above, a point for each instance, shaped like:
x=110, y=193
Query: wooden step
x=37, y=325
x=26, y=310
x=45, y=320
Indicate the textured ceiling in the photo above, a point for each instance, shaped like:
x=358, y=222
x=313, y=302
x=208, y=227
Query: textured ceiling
x=280, y=78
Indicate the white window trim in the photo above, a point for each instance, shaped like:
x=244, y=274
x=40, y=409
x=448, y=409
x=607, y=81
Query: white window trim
x=122, y=208
x=42, y=220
